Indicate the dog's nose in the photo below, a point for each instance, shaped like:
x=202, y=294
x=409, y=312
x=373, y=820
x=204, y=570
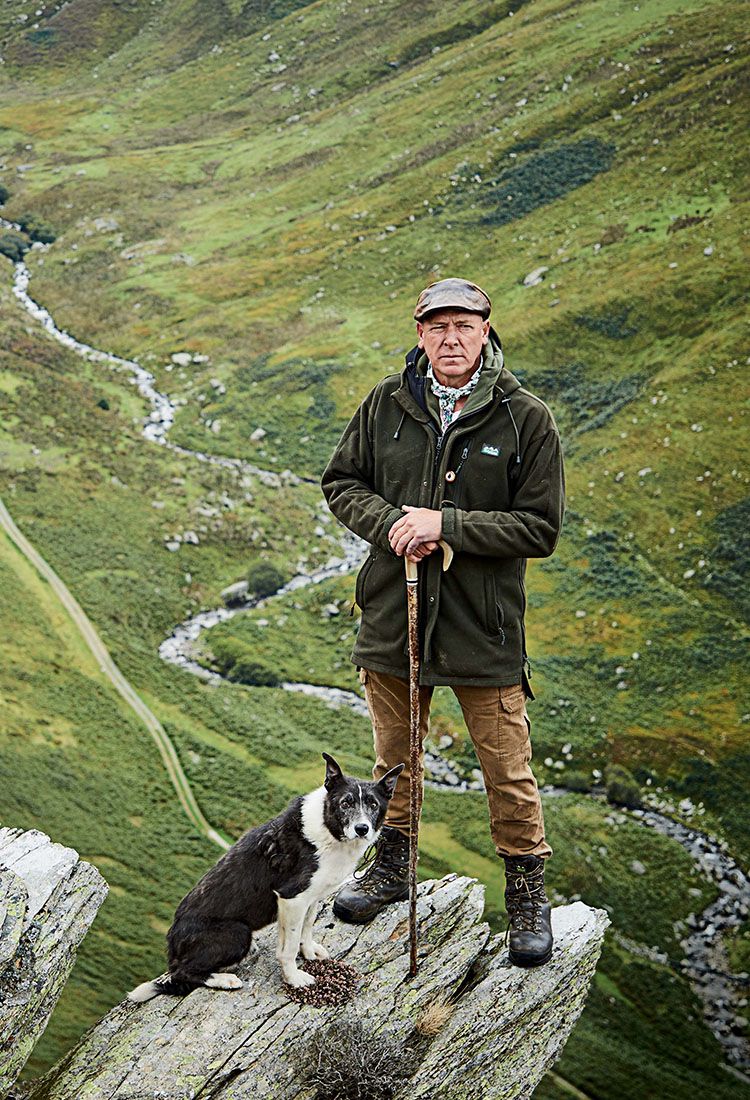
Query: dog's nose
x=361, y=830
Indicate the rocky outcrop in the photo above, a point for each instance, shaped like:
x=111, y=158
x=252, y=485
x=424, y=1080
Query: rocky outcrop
x=505, y=1026
x=48, y=899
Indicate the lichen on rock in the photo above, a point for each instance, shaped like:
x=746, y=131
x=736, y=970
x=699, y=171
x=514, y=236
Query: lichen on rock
x=506, y=1027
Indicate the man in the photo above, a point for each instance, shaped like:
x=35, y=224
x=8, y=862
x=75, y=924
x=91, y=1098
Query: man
x=453, y=448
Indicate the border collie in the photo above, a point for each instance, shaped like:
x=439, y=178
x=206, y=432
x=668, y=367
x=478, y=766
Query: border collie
x=279, y=870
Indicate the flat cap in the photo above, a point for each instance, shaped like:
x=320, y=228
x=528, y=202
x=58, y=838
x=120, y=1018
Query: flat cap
x=452, y=294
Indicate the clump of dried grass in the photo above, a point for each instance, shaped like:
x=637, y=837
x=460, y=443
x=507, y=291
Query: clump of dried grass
x=434, y=1016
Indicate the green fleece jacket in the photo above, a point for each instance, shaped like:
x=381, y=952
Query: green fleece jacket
x=496, y=474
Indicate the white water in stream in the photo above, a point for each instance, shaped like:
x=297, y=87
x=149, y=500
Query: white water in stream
x=721, y=992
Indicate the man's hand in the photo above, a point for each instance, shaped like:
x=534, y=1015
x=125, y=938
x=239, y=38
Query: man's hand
x=422, y=551
x=416, y=534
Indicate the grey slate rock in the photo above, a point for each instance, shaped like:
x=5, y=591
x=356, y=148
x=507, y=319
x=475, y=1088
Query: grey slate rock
x=48, y=899
x=508, y=1025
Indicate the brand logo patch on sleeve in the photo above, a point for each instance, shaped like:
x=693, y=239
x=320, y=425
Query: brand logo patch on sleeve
x=488, y=449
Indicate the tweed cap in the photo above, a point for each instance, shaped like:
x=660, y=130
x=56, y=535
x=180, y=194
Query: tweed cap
x=452, y=294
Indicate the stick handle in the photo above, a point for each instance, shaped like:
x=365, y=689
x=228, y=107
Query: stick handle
x=411, y=566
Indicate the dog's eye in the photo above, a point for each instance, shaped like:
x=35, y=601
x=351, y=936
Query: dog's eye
x=346, y=802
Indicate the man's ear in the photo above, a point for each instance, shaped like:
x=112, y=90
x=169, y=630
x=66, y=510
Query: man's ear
x=485, y=332
x=420, y=335
x=333, y=771
x=388, y=782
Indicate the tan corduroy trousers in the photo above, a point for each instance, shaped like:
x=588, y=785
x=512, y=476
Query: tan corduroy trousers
x=499, y=726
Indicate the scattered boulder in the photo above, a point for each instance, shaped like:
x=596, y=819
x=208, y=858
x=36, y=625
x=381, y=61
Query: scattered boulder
x=235, y=595
x=535, y=277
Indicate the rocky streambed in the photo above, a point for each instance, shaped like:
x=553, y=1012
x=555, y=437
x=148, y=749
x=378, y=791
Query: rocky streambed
x=722, y=993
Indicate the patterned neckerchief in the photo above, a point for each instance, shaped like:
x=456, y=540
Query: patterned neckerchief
x=447, y=396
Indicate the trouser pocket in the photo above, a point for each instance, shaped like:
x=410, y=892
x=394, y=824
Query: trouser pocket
x=500, y=730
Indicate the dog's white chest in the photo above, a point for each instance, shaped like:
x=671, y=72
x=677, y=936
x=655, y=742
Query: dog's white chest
x=336, y=859
x=335, y=866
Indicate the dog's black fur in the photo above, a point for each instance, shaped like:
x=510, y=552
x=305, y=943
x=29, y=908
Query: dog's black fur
x=214, y=922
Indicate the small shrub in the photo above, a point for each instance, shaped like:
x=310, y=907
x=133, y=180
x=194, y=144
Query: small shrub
x=730, y=556
x=4, y=194
x=237, y=661
x=545, y=177
x=684, y=221
x=575, y=780
x=247, y=671
x=348, y=1061
x=263, y=579
x=622, y=788
x=613, y=233
x=612, y=324
x=13, y=245
x=456, y=32
x=38, y=231
x=588, y=403
x=43, y=36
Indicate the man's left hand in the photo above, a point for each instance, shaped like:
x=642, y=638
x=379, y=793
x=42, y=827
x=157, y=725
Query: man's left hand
x=418, y=526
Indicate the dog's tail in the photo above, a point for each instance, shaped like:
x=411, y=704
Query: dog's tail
x=169, y=984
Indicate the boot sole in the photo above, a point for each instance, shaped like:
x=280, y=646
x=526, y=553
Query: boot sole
x=529, y=960
x=352, y=917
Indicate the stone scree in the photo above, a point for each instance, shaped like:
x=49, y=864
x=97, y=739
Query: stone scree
x=48, y=899
x=507, y=1026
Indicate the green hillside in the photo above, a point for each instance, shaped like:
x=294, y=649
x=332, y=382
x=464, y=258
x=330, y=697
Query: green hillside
x=267, y=186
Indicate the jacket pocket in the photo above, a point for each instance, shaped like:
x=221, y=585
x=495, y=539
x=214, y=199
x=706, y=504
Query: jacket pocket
x=359, y=588
x=494, y=614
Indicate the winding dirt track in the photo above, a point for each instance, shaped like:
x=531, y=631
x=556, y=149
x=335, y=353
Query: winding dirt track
x=111, y=671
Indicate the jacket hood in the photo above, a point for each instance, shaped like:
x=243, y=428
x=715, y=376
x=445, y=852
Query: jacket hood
x=494, y=364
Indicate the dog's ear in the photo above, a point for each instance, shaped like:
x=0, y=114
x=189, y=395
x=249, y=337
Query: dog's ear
x=333, y=772
x=388, y=782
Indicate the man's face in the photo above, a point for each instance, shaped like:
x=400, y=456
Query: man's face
x=453, y=341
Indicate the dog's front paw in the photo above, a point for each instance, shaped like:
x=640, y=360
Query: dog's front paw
x=298, y=978
x=313, y=950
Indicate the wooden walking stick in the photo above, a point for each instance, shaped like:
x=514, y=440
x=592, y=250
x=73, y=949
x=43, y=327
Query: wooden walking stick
x=415, y=743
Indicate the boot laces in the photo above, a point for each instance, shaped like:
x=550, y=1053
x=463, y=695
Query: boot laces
x=385, y=861
x=524, y=897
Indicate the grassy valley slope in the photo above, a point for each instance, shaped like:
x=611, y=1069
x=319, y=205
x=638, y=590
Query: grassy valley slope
x=267, y=187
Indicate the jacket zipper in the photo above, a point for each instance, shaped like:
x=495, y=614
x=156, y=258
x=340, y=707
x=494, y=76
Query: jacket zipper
x=439, y=449
x=459, y=471
x=423, y=573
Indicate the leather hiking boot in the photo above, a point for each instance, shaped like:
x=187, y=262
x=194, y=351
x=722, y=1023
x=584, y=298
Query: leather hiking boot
x=529, y=931
x=385, y=880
